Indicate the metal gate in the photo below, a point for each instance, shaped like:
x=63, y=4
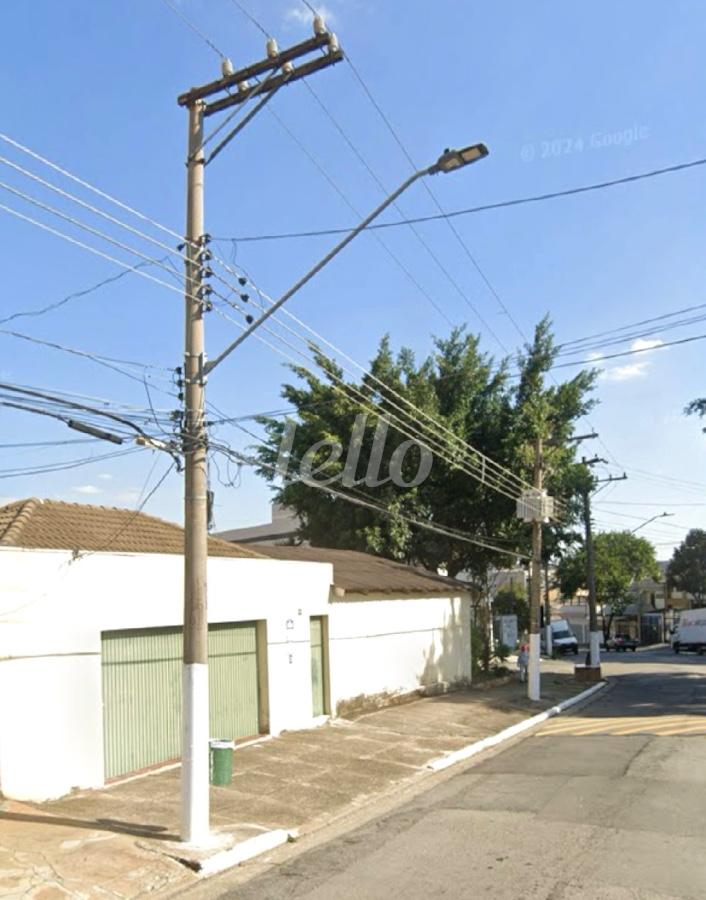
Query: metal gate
x=142, y=692
x=318, y=668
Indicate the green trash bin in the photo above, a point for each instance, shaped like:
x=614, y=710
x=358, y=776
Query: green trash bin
x=221, y=757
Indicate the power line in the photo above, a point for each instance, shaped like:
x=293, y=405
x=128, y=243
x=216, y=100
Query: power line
x=654, y=476
x=94, y=250
x=344, y=197
x=659, y=503
x=358, y=501
x=494, y=481
x=622, y=515
x=89, y=228
x=602, y=357
x=107, y=361
x=27, y=471
x=442, y=213
x=415, y=231
x=251, y=18
x=26, y=445
x=620, y=328
x=75, y=294
x=189, y=24
x=393, y=256
x=501, y=204
x=163, y=262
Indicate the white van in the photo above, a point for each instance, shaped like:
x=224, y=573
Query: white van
x=690, y=633
x=563, y=638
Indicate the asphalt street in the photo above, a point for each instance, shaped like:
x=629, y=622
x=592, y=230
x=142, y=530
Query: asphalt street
x=607, y=802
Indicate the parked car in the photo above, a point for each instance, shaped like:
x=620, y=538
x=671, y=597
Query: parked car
x=622, y=642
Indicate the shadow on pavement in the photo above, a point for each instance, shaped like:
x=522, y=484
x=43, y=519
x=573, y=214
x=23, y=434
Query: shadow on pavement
x=156, y=832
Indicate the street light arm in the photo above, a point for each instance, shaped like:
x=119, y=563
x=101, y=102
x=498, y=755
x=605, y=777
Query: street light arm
x=658, y=516
x=316, y=269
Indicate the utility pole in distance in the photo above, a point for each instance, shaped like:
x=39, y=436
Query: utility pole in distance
x=195, y=816
x=594, y=634
x=595, y=658
x=533, y=677
x=535, y=506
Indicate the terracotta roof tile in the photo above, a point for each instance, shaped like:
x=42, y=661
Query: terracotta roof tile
x=362, y=573
x=56, y=525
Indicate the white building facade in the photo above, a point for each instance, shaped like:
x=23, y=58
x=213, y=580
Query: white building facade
x=90, y=651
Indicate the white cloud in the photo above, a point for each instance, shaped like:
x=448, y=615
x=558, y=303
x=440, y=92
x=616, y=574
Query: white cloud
x=631, y=370
x=625, y=373
x=303, y=16
x=105, y=476
x=88, y=489
x=641, y=344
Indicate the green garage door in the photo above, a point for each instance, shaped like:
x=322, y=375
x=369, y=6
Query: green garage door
x=142, y=692
x=318, y=671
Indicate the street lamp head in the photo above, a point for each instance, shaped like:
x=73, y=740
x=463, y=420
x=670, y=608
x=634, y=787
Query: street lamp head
x=450, y=160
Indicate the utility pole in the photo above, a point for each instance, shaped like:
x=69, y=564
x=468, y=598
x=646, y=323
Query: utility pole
x=535, y=506
x=594, y=633
x=548, y=640
x=533, y=677
x=195, y=717
x=195, y=816
x=237, y=89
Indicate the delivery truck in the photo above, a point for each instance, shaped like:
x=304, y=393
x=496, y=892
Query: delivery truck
x=563, y=638
x=690, y=632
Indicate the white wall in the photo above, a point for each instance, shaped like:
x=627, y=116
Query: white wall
x=52, y=612
x=383, y=646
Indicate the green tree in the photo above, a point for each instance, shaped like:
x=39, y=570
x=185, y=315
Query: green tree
x=473, y=397
x=621, y=558
x=687, y=567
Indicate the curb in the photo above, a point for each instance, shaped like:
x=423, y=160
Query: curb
x=270, y=840
x=444, y=762
x=244, y=851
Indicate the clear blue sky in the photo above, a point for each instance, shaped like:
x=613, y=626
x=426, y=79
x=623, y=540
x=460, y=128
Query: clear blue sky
x=547, y=86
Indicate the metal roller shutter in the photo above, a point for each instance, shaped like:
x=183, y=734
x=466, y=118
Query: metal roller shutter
x=142, y=692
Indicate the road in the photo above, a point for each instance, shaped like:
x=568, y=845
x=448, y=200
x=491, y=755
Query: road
x=607, y=803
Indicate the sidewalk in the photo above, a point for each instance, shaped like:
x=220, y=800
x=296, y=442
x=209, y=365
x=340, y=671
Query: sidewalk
x=119, y=841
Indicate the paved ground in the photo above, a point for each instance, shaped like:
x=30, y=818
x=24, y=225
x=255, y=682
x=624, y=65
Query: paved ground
x=116, y=842
x=604, y=804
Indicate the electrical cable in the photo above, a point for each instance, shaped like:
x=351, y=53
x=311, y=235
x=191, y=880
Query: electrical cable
x=106, y=361
x=390, y=253
x=73, y=296
x=502, y=204
x=400, y=425
x=599, y=359
x=487, y=471
x=178, y=12
x=435, y=423
x=438, y=529
x=415, y=231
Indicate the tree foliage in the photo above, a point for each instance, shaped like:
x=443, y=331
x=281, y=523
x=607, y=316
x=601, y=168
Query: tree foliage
x=476, y=399
x=696, y=408
x=687, y=567
x=621, y=558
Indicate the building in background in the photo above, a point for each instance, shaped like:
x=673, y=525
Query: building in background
x=281, y=529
